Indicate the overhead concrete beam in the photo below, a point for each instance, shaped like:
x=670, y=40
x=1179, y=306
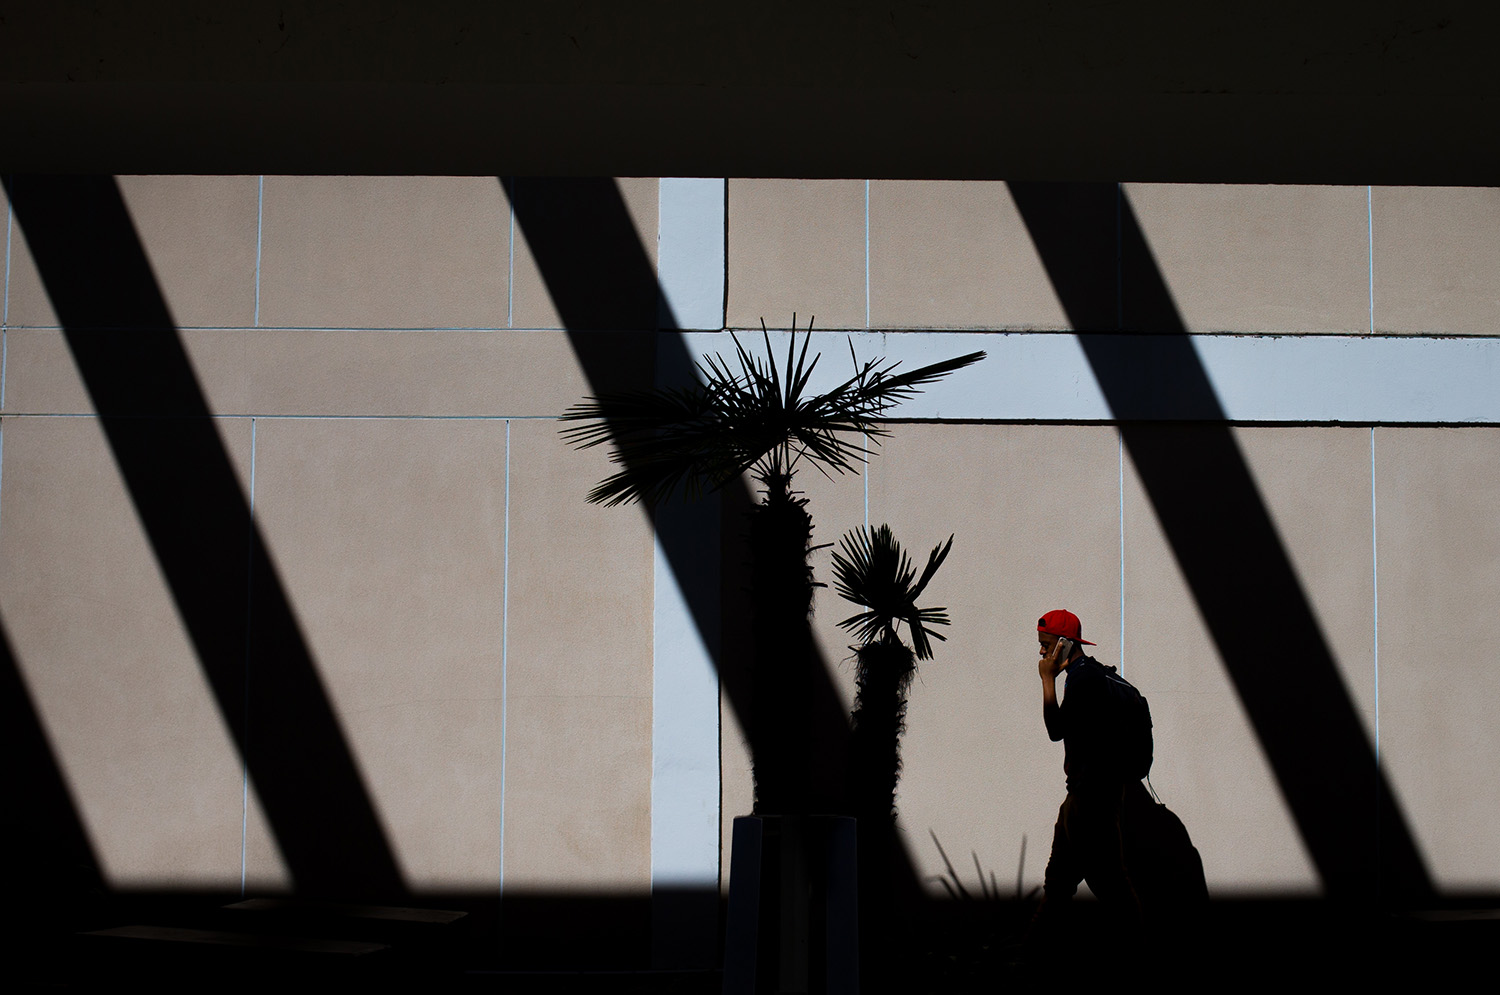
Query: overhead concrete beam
x=1269, y=92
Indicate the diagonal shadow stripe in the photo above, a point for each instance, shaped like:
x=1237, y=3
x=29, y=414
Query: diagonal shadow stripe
x=600, y=277
x=197, y=520
x=1224, y=540
x=41, y=824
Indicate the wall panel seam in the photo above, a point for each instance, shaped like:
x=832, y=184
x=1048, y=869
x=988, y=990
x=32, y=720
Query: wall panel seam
x=371, y=329
x=867, y=254
x=504, y=653
x=294, y=416
x=1370, y=248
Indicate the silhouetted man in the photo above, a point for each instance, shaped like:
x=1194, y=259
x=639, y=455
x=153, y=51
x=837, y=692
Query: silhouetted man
x=1086, y=844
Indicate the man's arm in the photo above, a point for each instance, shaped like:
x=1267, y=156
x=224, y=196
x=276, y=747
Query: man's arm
x=1048, y=667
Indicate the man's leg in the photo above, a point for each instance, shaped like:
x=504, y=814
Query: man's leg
x=1059, y=884
x=1093, y=829
x=1063, y=874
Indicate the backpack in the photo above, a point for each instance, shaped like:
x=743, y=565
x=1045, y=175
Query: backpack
x=1131, y=721
x=1165, y=868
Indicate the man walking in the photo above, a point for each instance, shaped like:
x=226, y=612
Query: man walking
x=1100, y=761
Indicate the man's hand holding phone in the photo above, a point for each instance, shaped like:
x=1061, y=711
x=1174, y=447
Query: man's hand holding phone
x=1052, y=663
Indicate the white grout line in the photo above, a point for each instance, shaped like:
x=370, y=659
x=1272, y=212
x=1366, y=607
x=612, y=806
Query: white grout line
x=368, y=330
x=724, y=308
x=2, y=450
x=260, y=205
x=867, y=258
x=234, y=415
x=504, y=651
x=510, y=280
x=305, y=417
x=1035, y=333
x=1370, y=248
x=240, y=415
x=249, y=624
x=1120, y=439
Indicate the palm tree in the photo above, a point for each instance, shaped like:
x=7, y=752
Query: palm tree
x=871, y=570
x=757, y=418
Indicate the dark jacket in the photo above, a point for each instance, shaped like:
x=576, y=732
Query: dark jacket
x=1086, y=723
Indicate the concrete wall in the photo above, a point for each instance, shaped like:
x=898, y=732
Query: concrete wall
x=383, y=364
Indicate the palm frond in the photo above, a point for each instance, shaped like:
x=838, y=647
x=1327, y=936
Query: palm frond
x=934, y=560
x=662, y=439
x=753, y=417
x=875, y=388
x=919, y=624
x=871, y=570
x=866, y=626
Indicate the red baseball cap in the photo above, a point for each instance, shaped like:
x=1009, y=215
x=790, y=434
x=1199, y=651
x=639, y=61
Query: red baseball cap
x=1061, y=622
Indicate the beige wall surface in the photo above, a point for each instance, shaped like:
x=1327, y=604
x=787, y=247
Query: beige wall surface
x=1034, y=511
x=384, y=252
x=1436, y=267
x=578, y=763
x=1436, y=500
x=402, y=611
x=385, y=372
x=1209, y=765
x=796, y=245
x=385, y=367
x=954, y=255
x=1259, y=258
x=376, y=438
x=1256, y=259
x=131, y=720
x=200, y=236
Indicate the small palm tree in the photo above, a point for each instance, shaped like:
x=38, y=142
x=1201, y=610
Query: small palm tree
x=753, y=416
x=871, y=570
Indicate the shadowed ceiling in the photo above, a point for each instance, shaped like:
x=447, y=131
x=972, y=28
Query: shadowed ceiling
x=1343, y=92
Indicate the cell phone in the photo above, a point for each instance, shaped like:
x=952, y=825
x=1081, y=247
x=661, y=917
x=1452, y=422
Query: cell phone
x=1064, y=648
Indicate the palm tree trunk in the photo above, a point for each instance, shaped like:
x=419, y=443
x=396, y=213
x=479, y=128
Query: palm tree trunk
x=885, y=672
x=781, y=603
